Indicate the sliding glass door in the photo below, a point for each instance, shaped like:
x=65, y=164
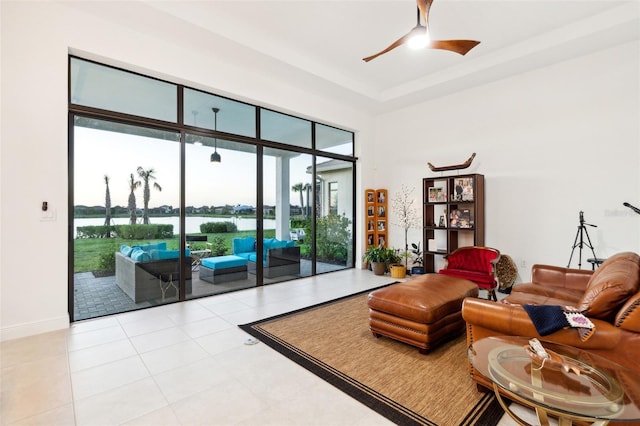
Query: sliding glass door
x=220, y=222
x=126, y=227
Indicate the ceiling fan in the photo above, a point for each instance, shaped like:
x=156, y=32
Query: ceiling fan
x=419, y=36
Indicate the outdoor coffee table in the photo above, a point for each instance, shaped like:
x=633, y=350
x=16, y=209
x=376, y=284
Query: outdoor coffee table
x=603, y=392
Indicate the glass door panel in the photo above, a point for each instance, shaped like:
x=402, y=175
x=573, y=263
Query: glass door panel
x=126, y=225
x=334, y=215
x=287, y=216
x=220, y=214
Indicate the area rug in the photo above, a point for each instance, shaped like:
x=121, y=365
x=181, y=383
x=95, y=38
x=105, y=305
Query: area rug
x=333, y=341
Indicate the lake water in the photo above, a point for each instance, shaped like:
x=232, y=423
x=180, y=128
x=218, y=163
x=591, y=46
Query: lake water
x=192, y=223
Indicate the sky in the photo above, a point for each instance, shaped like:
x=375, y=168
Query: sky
x=233, y=181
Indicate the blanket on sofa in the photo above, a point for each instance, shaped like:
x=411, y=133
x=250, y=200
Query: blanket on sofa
x=548, y=319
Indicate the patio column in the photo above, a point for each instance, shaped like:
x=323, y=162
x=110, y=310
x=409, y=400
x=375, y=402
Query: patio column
x=283, y=194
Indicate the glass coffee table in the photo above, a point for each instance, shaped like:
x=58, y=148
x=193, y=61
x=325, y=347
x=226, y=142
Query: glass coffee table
x=581, y=387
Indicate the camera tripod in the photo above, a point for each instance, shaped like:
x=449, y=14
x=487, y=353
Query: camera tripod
x=579, y=241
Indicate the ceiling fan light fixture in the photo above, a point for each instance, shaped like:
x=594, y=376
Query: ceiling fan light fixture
x=419, y=38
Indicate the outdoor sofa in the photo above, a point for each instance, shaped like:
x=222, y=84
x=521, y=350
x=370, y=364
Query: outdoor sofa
x=151, y=272
x=279, y=257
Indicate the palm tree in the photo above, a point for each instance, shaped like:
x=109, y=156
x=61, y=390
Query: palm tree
x=146, y=176
x=299, y=187
x=107, y=204
x=133, y=185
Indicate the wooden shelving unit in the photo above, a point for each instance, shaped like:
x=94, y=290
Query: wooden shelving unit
x=453, y=216
x=376, y=213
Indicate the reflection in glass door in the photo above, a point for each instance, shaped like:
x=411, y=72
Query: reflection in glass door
x=220, y=214
x=126, y=224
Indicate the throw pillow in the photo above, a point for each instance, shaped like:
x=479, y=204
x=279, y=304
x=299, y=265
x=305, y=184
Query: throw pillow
x=139, y=255
x=243, y=245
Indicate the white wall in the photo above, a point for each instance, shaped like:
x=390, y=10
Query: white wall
x=550, y=142
x=36, y=39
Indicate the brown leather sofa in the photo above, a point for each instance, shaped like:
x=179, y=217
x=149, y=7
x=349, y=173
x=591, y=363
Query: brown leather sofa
x=609, y=297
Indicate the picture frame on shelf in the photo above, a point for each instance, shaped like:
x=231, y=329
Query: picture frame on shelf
x=437, y=195
x=370, y=211
x=442, y=222
x=382, y=240
x=370, y=197
x=433, y=194
x=382, y=226
x=370, y=239
x=371, y=225
x=382, y=212
x=465, y=218
x=463, y=189
x=382, y=197
x=461, y=218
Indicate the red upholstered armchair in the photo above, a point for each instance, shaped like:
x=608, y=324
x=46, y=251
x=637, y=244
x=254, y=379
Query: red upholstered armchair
x=477, y=264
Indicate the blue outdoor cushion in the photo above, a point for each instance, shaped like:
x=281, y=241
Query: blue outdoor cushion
x=157, y=246
x=246, y=255
x=167, y=254
x=268, y=242
x=273, y=243
x=279, y=244
x=243, y=245
x=139, y=255
x=126, y=250
x=223, y=262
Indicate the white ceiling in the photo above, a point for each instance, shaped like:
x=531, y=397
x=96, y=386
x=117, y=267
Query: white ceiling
x=322, y=43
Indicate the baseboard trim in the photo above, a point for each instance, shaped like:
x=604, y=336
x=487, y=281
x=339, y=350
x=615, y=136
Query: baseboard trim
x=38, y=327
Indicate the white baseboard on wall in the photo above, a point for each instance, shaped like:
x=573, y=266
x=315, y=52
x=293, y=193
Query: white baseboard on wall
x=33, y=328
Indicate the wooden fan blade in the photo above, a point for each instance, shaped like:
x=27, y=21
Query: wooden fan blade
x=393, y=45
x=458, y=46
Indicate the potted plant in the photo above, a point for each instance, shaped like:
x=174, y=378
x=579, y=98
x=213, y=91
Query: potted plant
x=417, y=260
x=376, y=256
x=398, y=270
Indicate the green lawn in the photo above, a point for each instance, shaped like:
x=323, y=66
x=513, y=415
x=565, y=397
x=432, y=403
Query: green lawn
x=88, y=251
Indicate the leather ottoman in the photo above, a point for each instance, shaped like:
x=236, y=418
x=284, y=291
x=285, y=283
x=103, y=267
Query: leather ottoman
x=422, y=312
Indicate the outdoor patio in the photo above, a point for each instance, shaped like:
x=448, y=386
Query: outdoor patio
x=100, y=296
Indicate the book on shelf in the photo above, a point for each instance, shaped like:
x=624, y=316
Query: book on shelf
x=462, y=189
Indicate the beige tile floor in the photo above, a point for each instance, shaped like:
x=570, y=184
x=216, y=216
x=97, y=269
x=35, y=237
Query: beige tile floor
x=179, y=364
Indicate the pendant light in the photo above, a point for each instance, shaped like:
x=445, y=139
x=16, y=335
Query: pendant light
x=215, y=157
